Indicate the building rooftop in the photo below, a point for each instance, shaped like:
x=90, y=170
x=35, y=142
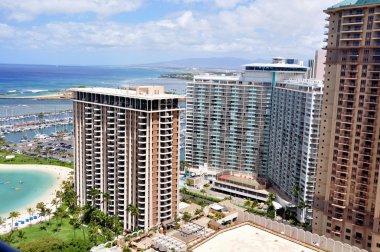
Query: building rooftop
x=304, y=82
x=246, y=237
x=208, y=76
x=275, y=65
x=142, y=92
x=278, y=64
x=353, y=3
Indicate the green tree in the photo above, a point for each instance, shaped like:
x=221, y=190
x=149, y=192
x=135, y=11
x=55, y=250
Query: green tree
x=247, y=203
x=30, y=212
x=94, y=193
x=59, y=196
x=59, y=213
x=106, y=198
x=93, y=232
x=198, y=211
x=48, y=212
x=75, y=224
x=301, y=205
x=203, y=191
x=13, y=215
x=186, y=216
x=21, y=235
x=126, y=249
x=133, y=210
x=296, y=190
x=189, y=182
x=270, y=198
x=41, y=207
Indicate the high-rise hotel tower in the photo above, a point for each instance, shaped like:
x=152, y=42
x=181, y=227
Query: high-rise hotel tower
x=228, y=116
x=127, y=147
x=294, y=138
x=347, y=194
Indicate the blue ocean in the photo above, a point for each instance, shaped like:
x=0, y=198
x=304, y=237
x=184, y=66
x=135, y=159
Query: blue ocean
x=21, y=81
x=32, y=80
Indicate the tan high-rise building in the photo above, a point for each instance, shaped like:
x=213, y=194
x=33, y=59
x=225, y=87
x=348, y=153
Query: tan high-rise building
x=347, y=193
x=127, y=147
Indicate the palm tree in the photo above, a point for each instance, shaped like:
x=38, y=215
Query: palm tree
x=296, y=190
x=13, y=215
x=106, y=198
x=94, y=193
x=270, y=198
x=21, y=234
x=203, y=191
x=133, y=210
x=41, y=207
x=55, y=203
x=48, y=212
x=59, y=196
x=74, y=222
x=59, y=213
x=30, y=212
x=301, y=205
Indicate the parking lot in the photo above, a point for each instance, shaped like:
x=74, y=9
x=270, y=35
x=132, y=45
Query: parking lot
x=59, y=148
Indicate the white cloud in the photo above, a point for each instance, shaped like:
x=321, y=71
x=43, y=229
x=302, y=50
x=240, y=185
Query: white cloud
x=226, y=4
x=29, y=9
x=258, y=29
x=6, y=31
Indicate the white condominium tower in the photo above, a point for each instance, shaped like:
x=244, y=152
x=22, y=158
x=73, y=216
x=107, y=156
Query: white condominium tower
x=127, y=147
x=294, y=140
x=228, y=117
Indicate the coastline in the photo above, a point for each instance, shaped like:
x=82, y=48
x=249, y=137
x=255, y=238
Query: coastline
x=59, y=174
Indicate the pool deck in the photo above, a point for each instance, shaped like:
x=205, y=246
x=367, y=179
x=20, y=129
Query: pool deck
x=247, y=238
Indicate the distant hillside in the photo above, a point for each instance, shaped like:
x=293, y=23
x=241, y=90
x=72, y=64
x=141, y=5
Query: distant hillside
x=228, y=63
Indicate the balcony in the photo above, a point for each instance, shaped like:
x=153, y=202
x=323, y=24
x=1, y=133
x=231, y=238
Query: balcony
x=351, y=38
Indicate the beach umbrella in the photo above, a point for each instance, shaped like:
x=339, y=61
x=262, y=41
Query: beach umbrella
x=16, y=224
x=22, y=222
x=27, y=220
x=35, y=217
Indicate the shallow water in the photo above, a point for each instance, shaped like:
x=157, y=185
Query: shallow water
x=19, y=189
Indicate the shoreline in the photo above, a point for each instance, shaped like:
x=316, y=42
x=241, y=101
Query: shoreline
x=59, y=173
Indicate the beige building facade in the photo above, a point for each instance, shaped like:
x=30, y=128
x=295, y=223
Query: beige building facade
x=347, y=196
x=127, y=147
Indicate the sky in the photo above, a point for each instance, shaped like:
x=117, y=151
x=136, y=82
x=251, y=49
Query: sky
x=123, y=32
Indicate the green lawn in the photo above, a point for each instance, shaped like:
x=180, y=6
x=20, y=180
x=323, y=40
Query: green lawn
x=34, y=233
x=26, y=159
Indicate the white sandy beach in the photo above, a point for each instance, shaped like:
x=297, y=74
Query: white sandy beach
x=58, y=172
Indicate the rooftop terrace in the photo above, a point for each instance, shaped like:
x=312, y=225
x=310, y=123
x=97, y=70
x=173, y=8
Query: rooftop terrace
x=248, y=238
x=142, y=92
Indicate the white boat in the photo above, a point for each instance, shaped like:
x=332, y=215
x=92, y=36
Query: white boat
x=41, y=136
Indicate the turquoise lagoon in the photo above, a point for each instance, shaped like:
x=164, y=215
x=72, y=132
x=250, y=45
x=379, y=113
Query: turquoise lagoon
x=20, y=189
